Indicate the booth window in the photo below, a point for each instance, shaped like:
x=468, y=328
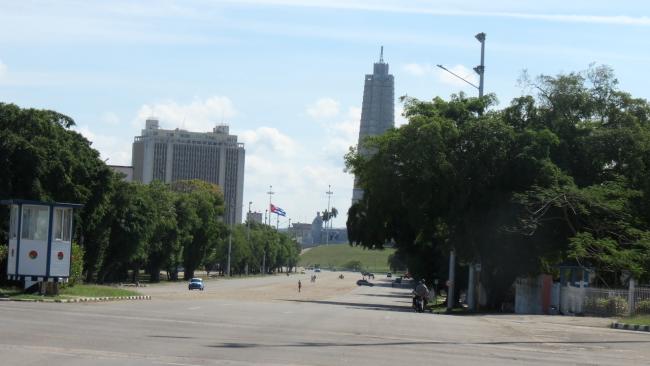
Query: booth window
x=35, y=223
x=62, y=224
x=13, y=222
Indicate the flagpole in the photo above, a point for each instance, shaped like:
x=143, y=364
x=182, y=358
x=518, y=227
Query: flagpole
x=270, y=193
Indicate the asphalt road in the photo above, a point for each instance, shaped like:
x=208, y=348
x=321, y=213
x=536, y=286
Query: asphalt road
x=362, y=326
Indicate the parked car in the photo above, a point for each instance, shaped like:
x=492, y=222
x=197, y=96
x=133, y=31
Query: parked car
x=389, y=275
x=317, y=270
x=196, y=284
x=364, y=283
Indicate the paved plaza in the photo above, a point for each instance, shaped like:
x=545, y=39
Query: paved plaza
x=266, y=321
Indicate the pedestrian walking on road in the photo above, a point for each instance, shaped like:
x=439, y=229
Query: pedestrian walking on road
x=299, y=285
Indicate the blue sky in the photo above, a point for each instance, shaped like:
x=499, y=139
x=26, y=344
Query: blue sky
x=287, y=75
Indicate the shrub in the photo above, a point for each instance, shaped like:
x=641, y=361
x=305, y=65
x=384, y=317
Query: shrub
x=606, y=306
x=642, y=307
x=76, y=269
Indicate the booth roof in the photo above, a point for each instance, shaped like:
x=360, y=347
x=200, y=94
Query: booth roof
x=32, y=202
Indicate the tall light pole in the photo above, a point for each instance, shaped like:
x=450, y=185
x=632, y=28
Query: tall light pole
x=471, y=301
x=329, y=216
x=270, y=193
x=480, y=69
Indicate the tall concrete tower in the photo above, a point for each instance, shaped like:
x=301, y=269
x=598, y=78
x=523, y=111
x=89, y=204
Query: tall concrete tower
x=378, y=110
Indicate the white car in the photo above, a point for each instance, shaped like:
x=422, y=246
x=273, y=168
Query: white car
x=196, y=284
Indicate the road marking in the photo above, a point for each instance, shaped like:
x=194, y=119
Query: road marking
x=194, y=308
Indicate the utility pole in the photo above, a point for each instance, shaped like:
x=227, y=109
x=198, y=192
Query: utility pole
x=329, y=216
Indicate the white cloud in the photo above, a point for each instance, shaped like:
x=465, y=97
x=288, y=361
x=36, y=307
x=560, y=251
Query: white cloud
x=269, y=141
x=343, y=134
x=399, y=118
x=460, y=70
x=323, y=108
x=116, y=150
x=200, y=115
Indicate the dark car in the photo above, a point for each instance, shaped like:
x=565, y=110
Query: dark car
x=389, y=275
x=196, y=284
x=364, y=283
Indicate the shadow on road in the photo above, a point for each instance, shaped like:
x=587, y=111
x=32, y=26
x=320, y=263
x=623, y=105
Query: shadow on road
x=397, y=295
x=408, y=343
x=356, y=305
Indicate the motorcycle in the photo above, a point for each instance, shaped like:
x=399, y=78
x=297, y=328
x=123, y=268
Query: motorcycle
x=418, y=304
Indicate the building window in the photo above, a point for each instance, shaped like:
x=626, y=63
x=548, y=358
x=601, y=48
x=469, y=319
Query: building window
x=35, y=223
x=62, y=224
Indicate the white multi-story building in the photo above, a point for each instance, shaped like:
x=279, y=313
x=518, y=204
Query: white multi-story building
x=173, y=155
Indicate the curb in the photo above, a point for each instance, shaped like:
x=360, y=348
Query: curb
x=83, y=299
x=637, y=327
x=102, y=299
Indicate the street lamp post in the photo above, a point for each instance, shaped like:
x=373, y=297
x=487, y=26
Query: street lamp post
x=329, y=214
x=471, y=301
x=480, y=69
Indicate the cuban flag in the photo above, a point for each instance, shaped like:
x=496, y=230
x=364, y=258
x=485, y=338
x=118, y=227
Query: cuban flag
x=277, y=210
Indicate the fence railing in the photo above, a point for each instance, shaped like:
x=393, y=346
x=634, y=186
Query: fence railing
x=605, y=302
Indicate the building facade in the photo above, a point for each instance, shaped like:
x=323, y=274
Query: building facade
x=377, y=111
x=254, y=217
x=173, y=155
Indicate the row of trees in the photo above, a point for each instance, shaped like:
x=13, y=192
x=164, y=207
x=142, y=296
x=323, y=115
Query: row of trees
x=125, y=226
x=560, y=177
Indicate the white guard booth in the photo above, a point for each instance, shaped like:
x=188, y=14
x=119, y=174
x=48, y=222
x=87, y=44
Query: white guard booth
x=40, y=241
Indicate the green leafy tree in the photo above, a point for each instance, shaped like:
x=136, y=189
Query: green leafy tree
x=41, y=158
x=561, y=176
x=164, y=247
x=131, y=227
x=203, y=203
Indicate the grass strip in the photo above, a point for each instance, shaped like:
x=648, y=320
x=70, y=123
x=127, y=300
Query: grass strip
x=637, y=319
x=70, y=293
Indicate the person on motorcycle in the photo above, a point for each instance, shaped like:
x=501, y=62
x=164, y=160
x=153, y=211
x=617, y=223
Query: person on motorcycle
x=422, y=292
